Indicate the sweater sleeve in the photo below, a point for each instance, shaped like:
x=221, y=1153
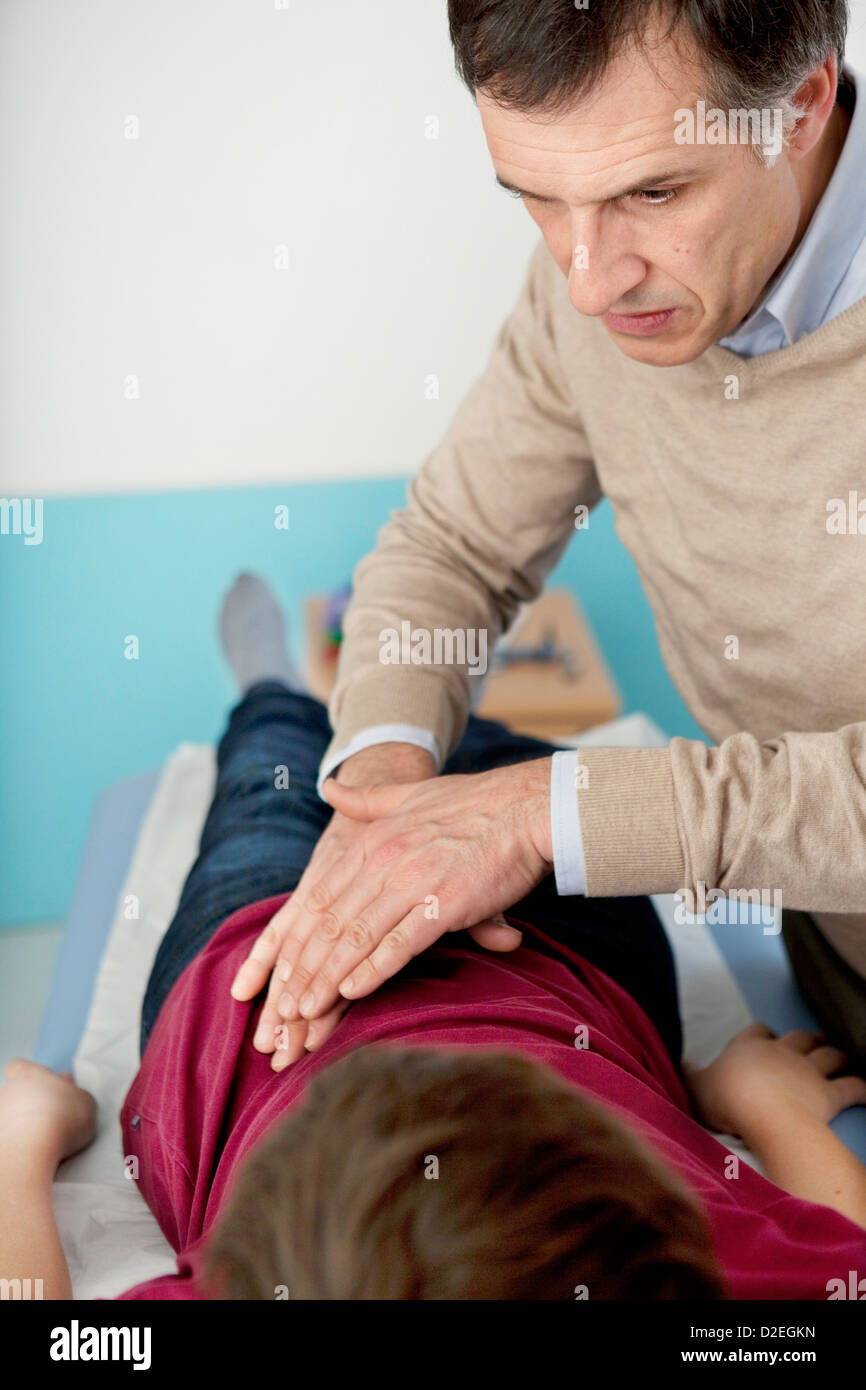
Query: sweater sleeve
x=786, y=815
x=487, y=517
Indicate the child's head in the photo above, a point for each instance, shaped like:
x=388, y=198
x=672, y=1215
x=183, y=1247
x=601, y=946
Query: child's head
x=410, y=1173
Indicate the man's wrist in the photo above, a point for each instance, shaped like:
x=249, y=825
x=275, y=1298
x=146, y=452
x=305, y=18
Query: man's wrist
x=533, y=781
x=386, y=762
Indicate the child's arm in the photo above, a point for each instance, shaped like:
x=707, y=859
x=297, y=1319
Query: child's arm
x=779, y=1095
x=44, y=1118
x=806, y=1158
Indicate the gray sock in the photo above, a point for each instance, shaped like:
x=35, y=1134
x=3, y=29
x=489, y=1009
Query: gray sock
x=253, y=635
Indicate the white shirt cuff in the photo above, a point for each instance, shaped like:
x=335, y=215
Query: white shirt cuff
x=381, y=733
x=569, y=865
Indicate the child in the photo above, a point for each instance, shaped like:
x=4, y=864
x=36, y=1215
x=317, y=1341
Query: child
x=511, y=1125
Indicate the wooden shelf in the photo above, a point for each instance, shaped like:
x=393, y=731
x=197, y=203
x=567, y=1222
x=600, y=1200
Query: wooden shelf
x=539, y=698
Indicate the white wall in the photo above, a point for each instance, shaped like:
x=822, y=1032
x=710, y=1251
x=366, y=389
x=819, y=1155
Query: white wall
x=259, y=127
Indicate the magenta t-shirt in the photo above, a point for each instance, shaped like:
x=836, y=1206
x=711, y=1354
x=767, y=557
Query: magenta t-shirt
x=204, y=1096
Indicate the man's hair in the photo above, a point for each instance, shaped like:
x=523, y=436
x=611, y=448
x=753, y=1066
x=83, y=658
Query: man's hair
x=546, y=55
x=413, y=1173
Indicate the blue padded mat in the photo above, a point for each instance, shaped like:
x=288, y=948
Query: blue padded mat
x=110, y=842
x=757, y=961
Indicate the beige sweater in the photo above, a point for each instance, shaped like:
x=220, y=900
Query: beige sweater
x=760, y=607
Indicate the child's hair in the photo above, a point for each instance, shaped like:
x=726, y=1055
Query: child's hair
x=413, y=1173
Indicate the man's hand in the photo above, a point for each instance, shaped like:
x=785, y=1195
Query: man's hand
x=435, y=856
x=278, y=946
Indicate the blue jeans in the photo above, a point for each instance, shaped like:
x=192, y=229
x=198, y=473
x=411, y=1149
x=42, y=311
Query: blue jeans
x=258, y=839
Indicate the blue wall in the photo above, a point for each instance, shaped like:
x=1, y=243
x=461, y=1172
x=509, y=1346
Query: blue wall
x=75, y=715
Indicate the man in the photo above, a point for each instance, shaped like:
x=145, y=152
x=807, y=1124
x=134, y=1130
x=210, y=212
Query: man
x=511, y=1126
x=735, y=475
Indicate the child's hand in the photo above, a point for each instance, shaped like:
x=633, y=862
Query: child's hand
x=759, y=1076
x=43, y=1113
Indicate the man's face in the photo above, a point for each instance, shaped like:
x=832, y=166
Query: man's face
x=670, y=244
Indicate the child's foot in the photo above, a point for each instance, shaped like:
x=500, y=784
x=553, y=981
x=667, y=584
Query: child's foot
x=253, y=635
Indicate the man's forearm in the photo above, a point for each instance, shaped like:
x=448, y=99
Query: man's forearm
x=386, y=762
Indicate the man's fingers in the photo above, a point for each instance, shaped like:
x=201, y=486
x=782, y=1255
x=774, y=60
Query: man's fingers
x=496, y=935
x=412, y=935
x=302, y=1037
x=289, y=1039
x=363, y=921
x=332, y=920
x=320, y=1029
x=352, y=929
x=275, y=953
x=322, y=920
x=258, y=965
x=270, y=1019
x=253, y=973
x=369, y=913
x=268, y=1025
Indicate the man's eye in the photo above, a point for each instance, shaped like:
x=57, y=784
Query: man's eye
x=656, y=196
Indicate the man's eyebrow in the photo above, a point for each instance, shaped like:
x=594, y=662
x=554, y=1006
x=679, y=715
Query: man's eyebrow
x=676, y=176
x=522, y=192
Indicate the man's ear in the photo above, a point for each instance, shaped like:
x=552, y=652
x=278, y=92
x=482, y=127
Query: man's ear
x=817, y=98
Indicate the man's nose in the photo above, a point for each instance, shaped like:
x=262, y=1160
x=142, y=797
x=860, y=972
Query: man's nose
x=603, y=268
